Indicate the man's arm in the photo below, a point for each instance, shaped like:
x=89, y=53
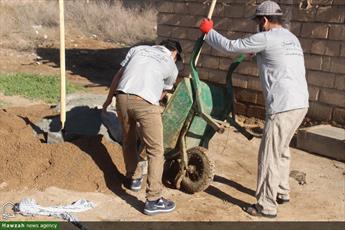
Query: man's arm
x=251, y=44
x=113, y=87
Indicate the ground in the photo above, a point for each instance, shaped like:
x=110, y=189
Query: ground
x=91, y=167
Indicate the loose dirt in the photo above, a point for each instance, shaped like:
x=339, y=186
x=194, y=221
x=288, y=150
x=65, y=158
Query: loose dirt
x=71, y=165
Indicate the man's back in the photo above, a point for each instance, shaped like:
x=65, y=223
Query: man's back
x=282, y=71
x=147, y=71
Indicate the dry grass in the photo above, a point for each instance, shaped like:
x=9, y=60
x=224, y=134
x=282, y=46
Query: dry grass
x=24, y=24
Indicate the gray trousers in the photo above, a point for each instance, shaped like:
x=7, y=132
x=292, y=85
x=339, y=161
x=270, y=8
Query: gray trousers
x=274, y=158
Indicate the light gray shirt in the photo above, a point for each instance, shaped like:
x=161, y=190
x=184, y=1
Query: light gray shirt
x=148, y=70
x=281, y=66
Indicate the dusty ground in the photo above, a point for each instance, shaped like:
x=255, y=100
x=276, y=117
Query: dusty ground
x=91, y=167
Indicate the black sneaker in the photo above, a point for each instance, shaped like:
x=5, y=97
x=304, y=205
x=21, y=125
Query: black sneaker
x=158, y=206
x=133, y=184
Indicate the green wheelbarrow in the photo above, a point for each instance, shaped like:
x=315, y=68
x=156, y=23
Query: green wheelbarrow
x=194, y=113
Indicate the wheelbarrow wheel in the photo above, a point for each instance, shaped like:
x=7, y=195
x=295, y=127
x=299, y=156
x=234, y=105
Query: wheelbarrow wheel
x=200, y=171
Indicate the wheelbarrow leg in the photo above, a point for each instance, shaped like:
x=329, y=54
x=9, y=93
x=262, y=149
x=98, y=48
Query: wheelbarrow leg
x=184, y=160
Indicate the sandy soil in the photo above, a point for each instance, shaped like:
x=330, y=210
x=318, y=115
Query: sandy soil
x=92, y=167
x=61, y=174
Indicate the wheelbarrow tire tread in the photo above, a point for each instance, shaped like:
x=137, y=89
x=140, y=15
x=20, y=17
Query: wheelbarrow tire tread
x=190, y=186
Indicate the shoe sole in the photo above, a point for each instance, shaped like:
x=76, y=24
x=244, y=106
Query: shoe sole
x=281, y=201
x=155, y=212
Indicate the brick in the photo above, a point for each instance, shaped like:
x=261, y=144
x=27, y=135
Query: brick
x=322, y=2
x=203, y=73
x=193, y=34
x=187, y=46
x=326, y=63
x=179, y=33
x=254, y=83
x=166, y=7
x=338, y=65
x=168, y=19
x=256, y=111
x=248, y=68
x=306, y=44
x=217, y=76
x=261, y=99
x=243, y=95
x=189, y=21
x=224, y=63
x=164, y=30
x=323, y=47
x=240, y=25
x=234, y=11
x=340, y=82
x=339, y=115
x=330, y=14
x=295, y=28
x=222, y=24
x=239, y=81
x=342, y=52
x=339, y=2
x=323, y=79
x=209, y=62
x=332, y=97
x=303, y=15
x=181, y=7
x=249, y=10
x=337, y=32
x=313, y=93
x=240, y=108
x=314, y=30
x=198, y=8
x=319, y=111
x=313, y=62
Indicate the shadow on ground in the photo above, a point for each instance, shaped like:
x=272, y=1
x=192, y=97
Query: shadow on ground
x=96, y=65
x=226, y=197
x=84, y=125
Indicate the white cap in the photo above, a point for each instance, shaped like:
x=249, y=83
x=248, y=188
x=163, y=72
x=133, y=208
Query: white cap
x=268, y=8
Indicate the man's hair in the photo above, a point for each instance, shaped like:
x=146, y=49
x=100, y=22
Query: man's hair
x=273, y=18
x=173, y=45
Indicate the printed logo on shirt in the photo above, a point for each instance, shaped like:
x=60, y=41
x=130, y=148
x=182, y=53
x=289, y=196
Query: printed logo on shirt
x=156, y=56
x=292, y=48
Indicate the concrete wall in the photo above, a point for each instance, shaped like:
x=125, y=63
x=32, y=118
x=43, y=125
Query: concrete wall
x=319, y=24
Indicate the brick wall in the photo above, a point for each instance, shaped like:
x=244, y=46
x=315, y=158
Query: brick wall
x=319, y=24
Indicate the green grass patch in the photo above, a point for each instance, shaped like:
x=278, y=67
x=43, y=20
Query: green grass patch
x=34, y=86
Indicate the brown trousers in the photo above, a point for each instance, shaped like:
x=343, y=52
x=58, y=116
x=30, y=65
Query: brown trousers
x=274, y=158
x=133, y=109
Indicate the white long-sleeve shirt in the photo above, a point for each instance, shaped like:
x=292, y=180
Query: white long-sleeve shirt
x=148, y=70
x=280, y=61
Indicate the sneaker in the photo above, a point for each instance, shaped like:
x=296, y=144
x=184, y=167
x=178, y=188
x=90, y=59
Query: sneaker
x=158, y=206
x=133, y=184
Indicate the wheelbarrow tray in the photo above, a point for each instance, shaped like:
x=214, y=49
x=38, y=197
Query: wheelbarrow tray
x=180, y=107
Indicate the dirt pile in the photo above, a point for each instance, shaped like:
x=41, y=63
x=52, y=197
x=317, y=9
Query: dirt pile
x=86, y=164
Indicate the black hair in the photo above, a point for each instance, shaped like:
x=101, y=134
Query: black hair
x=172, y=45
x=279, y=19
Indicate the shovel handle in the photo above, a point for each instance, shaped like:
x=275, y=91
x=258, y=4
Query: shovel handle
x=209, y=16
x=210, y=12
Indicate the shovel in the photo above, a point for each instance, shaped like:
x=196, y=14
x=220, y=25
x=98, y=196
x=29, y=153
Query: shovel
x=57, y=137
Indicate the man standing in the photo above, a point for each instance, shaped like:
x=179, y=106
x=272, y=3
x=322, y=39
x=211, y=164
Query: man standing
x=138, y=86
x=282, y=73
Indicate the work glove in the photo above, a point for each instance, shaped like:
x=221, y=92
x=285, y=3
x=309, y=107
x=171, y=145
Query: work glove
x=206, y=25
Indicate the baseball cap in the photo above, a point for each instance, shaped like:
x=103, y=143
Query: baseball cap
x=173, y=45
x=268, y=8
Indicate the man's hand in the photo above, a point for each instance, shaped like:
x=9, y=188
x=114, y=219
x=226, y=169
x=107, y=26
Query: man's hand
x=206, y=25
